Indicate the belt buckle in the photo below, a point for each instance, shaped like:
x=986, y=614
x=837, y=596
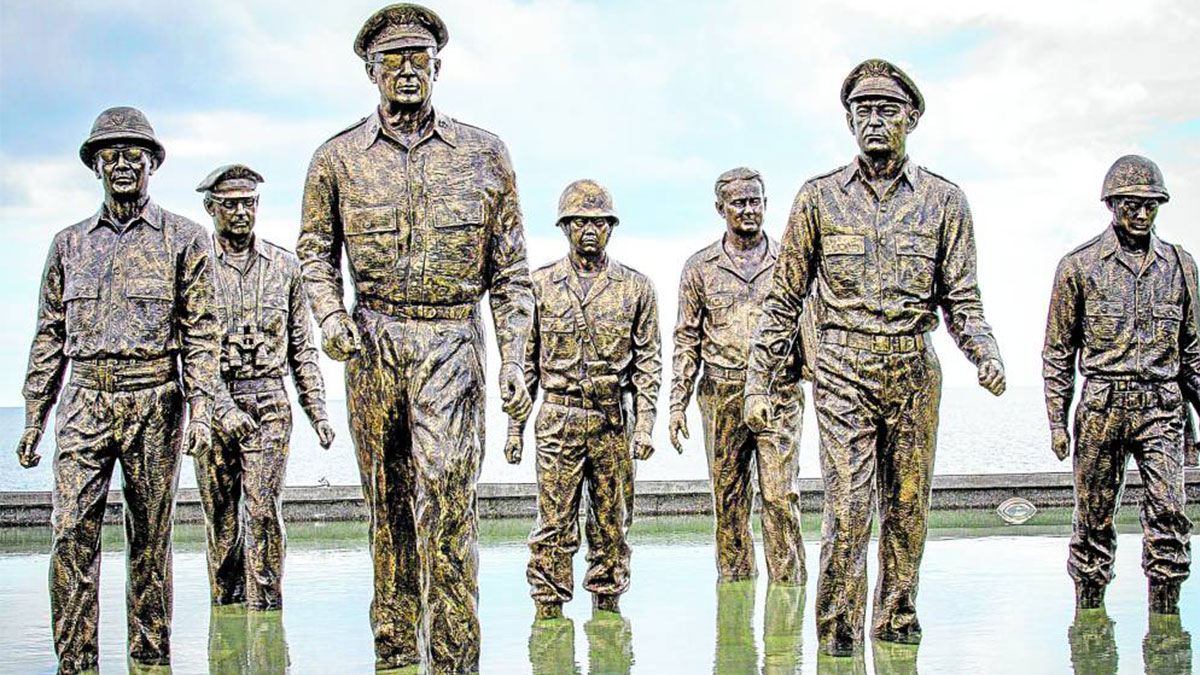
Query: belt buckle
x=105, y=376
x=906, y=343
x=881, y=344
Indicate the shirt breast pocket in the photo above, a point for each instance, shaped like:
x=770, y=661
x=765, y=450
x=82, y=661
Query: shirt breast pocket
x=613, y=338
x=916, y=257
x=81, y=296
x=274, y=314
x=845, y=262
x=456, y=251
x=152, y=316
x=720, y=309
x=1103, y=321
x=372, y=239
x=1167, y=319
x=560, y=342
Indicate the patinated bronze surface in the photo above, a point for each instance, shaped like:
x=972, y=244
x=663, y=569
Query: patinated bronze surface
x=426, y=209
x=126, y=298
x=594, y=349
x=886, y=244
x=1122, y=306
x=267, y=333
x=721, y=295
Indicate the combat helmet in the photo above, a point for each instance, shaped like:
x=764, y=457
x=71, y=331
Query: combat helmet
x=1134, y=176
x=588, y=199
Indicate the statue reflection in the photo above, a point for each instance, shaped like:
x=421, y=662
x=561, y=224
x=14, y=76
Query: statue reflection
x=242, y=641
x=1093, y=644
x=842, y=665
x=552, y=647
x=610, y=643
x=783, y=627
x=893, y=658
x=1167, y=647
x=736, y=650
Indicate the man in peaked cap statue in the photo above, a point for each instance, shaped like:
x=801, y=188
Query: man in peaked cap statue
x=886, y=243
x=594, y=348
x=426, y=208
x=721, y=293
x=126, y=298
x=267, y=332
x=1124, y=305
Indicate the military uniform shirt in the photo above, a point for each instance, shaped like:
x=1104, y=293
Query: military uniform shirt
x=622, y=309
x=1124, y=321
x=269, y=297
x=882, y=264
x=437, y=223
x=718, y=312
x=143, y=291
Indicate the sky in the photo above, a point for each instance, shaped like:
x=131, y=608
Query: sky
x=1028, y=103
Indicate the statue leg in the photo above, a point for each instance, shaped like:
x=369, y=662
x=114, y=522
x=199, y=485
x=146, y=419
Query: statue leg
x=219, y=479
x=446, y=413
x=609, y=474
x=151, y=441
x=265, y=468
x=561, y=452
x=1101, y=453
x=904, y=480
x=1166, y=546
x=777, y=456
x=377, y=403
x=730, y=450
x=83, y=467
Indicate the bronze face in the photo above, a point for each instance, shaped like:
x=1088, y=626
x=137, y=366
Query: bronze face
x=742, y=204
x=1134, y=216
x=233, y=217
x=588, y=236
x=404, y=77
x=124, y=169
x=881, y=125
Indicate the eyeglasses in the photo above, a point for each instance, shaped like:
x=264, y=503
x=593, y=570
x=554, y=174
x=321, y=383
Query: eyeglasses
x=395, y=60
x=132, y=154
x=231, y=203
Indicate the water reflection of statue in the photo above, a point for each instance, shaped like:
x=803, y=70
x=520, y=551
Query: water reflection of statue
x=893, y=658
x=736, y=650
x=242, y=641
x=610, y=643
x=552, y=647
x=1093, y=645
x=1167, y=647
x=783, y=626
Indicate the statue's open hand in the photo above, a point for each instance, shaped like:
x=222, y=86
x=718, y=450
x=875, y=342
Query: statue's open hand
x=197, y=440
x=513, y=447
x=27, y=453
x=991, y=376
x=325, y=434
x=513, y=392
x=678, y=427
x=757, y=412
x=339, y=337
x=1060, y=443
x=643, y=445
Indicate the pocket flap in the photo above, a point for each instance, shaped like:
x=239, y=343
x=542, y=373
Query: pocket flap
x=1166, y=310
x=719, y=300
x=80, y=289
x=613, y=328
x=150, y=289
x=275, y=301
x=557, y=324
x=916, y=244
x=845, y=244
x=365, y=220
x=1105, y=308
x=460, y=212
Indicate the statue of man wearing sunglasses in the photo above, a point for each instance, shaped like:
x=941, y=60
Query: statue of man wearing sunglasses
x=426, y=209
x=126, y=299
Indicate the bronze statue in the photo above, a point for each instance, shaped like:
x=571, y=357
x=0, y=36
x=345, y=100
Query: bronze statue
x=426, y=209
x=594, y=349
x=721, y=294
x=1124, y=305
x=886, y=244
x=126, y=299
x=267, y=330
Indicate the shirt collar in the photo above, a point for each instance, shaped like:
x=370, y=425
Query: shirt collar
x=257, y=245
x=1109, y=244
x=151, y=214
x=563, y=269
x=442, y=127
x=908, y=171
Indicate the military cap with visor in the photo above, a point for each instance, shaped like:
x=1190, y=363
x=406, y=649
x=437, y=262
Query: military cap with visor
x=400, y=26
x=1134, y=176
x=230, y=181
x=586, y=198
x=876, y=78
x=121, y=124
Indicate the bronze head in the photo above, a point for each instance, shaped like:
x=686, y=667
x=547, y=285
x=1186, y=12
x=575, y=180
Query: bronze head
x=882, y=107
x=741, y=201
x=123, y=151
x=587, y=216
x=399, y=45
x=231, y=198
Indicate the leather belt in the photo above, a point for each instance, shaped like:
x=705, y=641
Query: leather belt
x=879, y=344
x=567, y=400
x=1131, y=393
x=429, y=312
x=123, y=374
x=728, y=374
x=255, y=386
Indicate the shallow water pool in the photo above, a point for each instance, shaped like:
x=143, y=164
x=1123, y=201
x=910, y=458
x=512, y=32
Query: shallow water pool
x=988, y=604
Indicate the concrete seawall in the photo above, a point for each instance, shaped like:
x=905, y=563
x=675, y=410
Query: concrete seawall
x=519, y=500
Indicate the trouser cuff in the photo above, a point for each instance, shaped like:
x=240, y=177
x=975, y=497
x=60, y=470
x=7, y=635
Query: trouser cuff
x=606, y=602
x=1088, y=595
x=1164, y=597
